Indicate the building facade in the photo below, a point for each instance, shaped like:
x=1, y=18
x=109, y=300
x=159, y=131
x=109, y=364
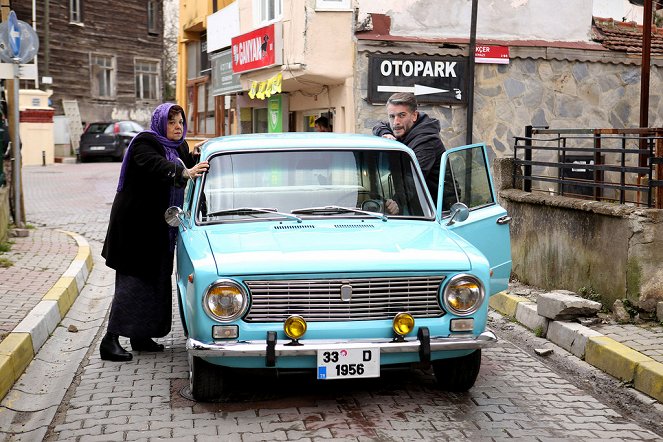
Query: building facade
x=105, y=54
x=309, y=75
x=343, y=58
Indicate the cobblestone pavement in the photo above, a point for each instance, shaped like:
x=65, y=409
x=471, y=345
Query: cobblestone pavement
x=69, y=393
x=516, y=397
x=37, y=263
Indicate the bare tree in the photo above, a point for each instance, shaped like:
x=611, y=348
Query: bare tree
x=170, y=29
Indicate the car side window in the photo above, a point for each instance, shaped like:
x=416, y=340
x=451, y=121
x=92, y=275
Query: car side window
x=467, y=179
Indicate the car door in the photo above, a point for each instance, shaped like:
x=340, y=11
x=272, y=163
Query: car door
x=465, y=177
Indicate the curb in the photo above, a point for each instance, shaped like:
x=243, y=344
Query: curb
x=21, y=345
x=604, y=353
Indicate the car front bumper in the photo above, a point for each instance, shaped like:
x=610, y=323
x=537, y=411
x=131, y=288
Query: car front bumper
x=270, y=349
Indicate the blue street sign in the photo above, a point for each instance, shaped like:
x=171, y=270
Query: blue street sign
x=14, y=34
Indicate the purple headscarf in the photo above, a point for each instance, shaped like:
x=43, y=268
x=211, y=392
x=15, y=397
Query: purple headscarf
x=158, y=128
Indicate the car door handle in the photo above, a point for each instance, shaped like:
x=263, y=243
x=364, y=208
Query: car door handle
x=506, y=219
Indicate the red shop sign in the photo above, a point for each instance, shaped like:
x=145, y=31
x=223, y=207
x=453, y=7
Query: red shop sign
x=257, y=49
x=491, y=54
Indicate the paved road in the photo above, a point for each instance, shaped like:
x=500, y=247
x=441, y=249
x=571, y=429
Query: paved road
x=68, y=393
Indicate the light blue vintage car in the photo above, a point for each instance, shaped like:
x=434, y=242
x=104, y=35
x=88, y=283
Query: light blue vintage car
x=325, y=252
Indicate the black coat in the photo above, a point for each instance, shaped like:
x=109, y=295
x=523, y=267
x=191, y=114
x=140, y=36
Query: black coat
x=137, y=230
x=424, y=139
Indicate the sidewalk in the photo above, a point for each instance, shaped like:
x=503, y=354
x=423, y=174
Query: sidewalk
x=631, y=353
x=51, y=267
x=49, y=270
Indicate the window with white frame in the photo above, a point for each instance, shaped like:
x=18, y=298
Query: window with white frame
x=152, y=17
x=75, y=12
x=102, y=68
x=268, y=10
x=147, y=79
x=332, y=5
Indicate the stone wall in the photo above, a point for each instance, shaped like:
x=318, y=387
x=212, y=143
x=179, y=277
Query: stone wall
x=555, y=87
x=565, y=243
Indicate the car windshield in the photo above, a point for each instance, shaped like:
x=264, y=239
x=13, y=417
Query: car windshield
x=312, y=183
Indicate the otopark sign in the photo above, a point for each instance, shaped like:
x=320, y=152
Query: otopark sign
x=432, y=79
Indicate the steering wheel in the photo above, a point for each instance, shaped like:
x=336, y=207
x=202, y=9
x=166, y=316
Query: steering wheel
x=373, y=206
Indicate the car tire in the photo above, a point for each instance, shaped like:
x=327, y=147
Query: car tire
x=457, y=374
x=205, y=380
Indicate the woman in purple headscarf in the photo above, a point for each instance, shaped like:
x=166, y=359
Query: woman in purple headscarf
x=139, y=244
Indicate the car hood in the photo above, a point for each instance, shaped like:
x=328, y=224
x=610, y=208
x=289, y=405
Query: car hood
x=344, y=246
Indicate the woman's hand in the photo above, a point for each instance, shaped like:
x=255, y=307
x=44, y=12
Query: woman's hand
x=198, y=169
x=197, y=146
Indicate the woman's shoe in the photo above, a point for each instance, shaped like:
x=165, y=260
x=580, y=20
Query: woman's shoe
x=145, y=344
x=111, y=350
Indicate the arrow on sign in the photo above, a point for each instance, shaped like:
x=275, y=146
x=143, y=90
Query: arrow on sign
x=14, y=34
x=417, y=89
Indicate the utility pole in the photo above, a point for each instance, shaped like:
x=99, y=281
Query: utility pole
x=470, y=82
x=12, y=86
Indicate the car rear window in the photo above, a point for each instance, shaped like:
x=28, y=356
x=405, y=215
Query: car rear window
x=97, y=128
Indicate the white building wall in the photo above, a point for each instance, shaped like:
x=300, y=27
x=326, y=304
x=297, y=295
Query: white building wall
x=550, y=20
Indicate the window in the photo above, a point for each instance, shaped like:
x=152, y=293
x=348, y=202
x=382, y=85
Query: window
x=268, y=10
x=103, y=75
x=75, y=11
x=152, y=17
x=147, y=79
x=332, y=5
x=200, y=107
x=467, y=179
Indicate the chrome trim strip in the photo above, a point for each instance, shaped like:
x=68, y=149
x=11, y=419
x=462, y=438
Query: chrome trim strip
x=311, y=347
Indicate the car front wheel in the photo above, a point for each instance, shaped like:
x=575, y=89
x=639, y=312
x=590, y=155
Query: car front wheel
x=457, y=374
x=205, y=380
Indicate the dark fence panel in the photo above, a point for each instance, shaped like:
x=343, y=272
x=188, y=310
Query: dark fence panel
x=624, y=166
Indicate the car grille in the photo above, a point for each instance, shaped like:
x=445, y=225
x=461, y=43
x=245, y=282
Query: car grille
x=320, y=299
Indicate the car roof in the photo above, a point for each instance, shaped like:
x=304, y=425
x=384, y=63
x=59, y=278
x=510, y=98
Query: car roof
x=298, y=140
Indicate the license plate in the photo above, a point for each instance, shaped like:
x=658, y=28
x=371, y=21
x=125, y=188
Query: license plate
x=349, y=363
x=97, y=147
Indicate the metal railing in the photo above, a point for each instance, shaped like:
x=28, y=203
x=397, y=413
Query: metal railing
x=624, y=166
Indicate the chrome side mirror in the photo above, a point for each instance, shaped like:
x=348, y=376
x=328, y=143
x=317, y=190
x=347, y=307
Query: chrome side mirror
x=459, y=213
x=173, y=216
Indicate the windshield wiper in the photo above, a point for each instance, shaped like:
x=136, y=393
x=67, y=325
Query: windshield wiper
x=253, y=211
x=338, y=209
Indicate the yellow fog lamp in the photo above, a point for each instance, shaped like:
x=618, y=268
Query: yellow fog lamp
x=403, y=324
x=294, y=327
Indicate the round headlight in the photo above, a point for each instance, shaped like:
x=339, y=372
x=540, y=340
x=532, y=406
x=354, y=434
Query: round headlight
x=294, y=327
x=225, y=300
x=463, y=295
x=403, y=324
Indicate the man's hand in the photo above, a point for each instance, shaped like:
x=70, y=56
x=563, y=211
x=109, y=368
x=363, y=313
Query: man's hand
x=391, y=207
x=389, y=136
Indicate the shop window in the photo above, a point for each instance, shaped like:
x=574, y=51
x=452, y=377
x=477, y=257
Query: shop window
x=260, y=125
x=102, y=68
x=147, y=79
